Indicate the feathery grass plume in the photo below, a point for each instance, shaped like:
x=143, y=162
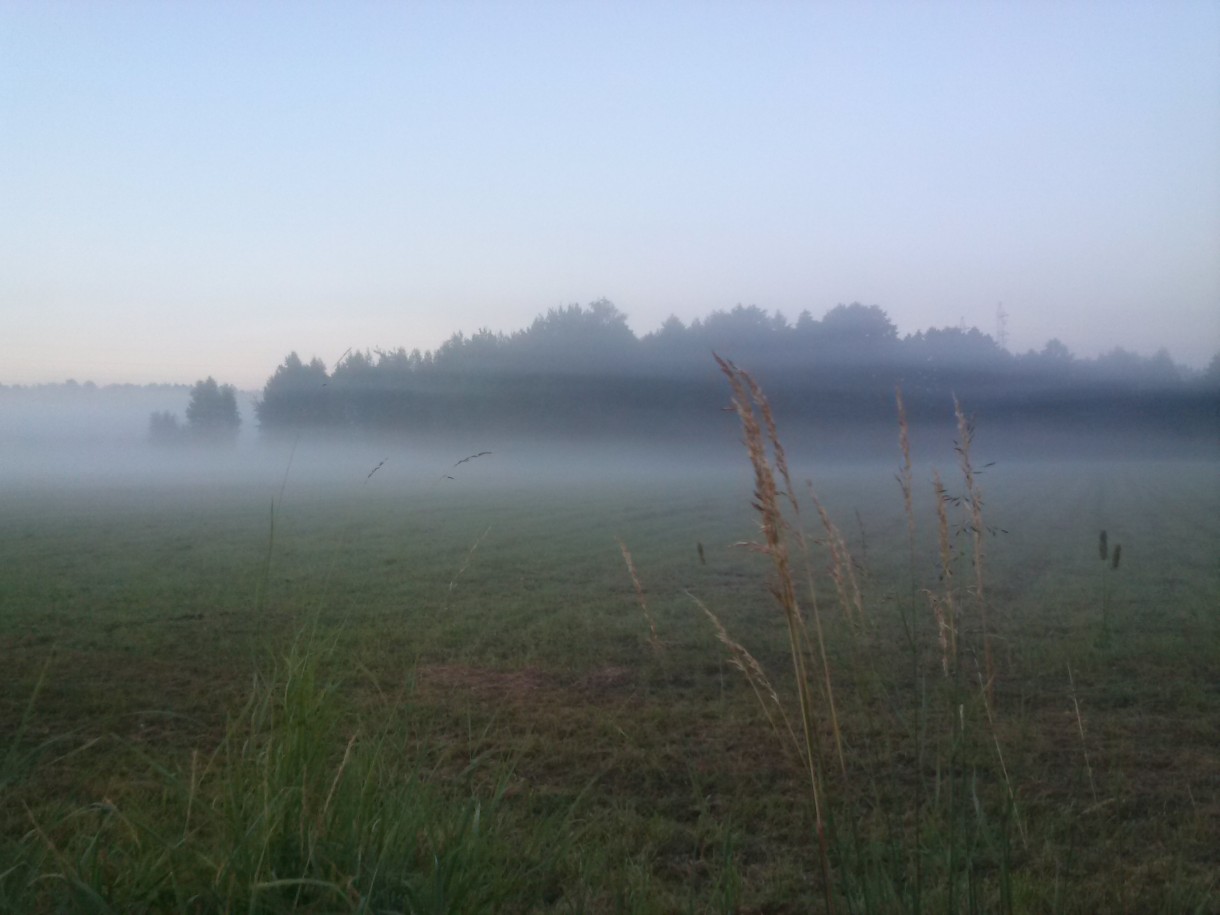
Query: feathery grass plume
x=768, y=421
x=842, y=568
x=465, y=564
x=653, y=638
x=751, y=406
x=974, y=501
x=780, y=458
x=937, y=603
x=740, y=657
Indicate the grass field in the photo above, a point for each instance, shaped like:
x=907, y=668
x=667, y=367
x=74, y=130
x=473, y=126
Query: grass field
x=384, y=697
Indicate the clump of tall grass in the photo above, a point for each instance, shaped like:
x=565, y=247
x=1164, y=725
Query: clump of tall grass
x=949, y=848
x=770, y=466
x=299, y=808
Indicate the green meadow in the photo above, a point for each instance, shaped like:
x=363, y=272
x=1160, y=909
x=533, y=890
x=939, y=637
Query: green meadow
x=376, y=696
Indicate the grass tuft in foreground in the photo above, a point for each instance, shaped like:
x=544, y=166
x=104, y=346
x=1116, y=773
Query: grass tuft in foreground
x=297, y=809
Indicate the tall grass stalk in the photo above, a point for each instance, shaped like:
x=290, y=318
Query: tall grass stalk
x=752, y=410
x=796, y=624
x=974, y=502
x=653, y=638
x=1084, y=746
x=465, y=565
x=944, y=606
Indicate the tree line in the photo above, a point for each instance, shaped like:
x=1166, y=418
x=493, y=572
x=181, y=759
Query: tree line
x=581, y=370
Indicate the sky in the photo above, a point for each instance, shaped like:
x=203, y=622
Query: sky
x=200, y=188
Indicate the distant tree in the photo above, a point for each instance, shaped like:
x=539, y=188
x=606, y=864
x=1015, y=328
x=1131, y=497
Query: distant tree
x=1211, y=374
x=671, y=348
x=855, y=332
x=1161, y=369
x=398, y=367
x=212, y=414
x=743, y=322
x=1054, y=364
x=1118, y=364
x=673, y=328
x=953, y=347
x=746, y=334
x=575, y=339
x=297, y=395
x=1128, y=369
x=164, y=429
x=482, y=351
x=1056, y=353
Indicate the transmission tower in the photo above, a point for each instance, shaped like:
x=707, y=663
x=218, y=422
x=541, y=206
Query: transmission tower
x=1001, y=326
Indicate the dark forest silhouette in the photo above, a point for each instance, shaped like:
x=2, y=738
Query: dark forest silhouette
x=582, y=371
x=579, y=372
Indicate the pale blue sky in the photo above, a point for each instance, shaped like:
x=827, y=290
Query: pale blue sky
x=198, y=188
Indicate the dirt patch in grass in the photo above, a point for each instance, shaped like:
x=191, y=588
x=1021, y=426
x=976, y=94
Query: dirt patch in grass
x=507, y=684
x=522, y=684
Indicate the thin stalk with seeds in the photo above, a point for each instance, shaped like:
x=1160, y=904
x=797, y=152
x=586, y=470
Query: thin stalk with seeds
x=974, y=501
x=946, y=619
x=741, y=658
x=653, y=638
x=842, y=569
x=465, y=564
x=1088, y=766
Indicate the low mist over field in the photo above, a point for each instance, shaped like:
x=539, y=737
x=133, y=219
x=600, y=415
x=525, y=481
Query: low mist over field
x=577, y=396
x=536, y=617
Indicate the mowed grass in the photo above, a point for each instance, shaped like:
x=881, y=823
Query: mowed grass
x=474, y=650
